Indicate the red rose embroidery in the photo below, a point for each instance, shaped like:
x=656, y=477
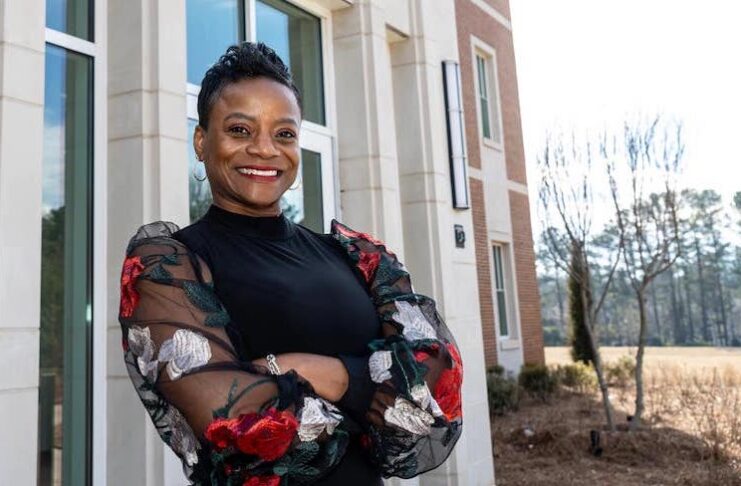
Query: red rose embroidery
x=262, y=481
x=368, y=264
x=448, y=387
x=268, y=437
x=424, y=354
x=132, y=268
x=219, y=433
x=347, y=232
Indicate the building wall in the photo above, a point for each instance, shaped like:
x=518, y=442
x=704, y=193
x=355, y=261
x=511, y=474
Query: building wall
x=499, y=185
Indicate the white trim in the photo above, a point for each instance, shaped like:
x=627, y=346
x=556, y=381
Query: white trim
x=506, y=344
x=99, y=363
x=70, y=42
x=493, y=13
x=517, y=187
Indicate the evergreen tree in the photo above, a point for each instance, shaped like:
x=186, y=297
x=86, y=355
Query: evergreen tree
x=581, y=349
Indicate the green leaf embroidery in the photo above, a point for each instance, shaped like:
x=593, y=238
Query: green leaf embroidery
x=160, y=274
x=217, y=319
x=202, y=296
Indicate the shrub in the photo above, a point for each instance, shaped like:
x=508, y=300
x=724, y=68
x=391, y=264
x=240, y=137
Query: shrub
x=537, y=381
x=502, y=391
x=578, y=376
x=620, y=373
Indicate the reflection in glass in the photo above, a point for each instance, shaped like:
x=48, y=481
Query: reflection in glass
x=212, y=26
x=64, y=399
x=199, y=191
x=304, y=204
x=73, y=17
x=296, y=37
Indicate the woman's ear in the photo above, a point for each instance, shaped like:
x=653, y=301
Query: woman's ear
x=199, y=142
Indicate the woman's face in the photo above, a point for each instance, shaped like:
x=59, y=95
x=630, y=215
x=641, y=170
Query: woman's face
x=251, y=149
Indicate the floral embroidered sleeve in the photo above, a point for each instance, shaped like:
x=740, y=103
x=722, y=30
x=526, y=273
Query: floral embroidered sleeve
x=230, y=422
x=415, y=370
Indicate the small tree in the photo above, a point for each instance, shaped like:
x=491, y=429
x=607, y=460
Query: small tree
x=643, y=188
x=566, y=203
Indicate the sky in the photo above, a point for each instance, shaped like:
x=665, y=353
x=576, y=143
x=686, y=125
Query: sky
x=587, y=65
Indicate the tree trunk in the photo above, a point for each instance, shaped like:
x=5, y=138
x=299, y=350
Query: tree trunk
x=635, y=423
x=690, y=319
x=655, y=312
x=559, y=297
x=723, y=328
x=706, y=334
x=677, y=328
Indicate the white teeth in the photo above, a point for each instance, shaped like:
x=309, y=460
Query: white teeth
x=266, y=173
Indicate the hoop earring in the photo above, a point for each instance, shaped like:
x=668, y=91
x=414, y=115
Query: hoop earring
x=298, y=186
x=205, y=176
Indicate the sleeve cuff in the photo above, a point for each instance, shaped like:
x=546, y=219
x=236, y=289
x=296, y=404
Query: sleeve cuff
x=360, y=388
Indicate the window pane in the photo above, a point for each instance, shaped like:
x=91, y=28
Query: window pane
x=304, y=204
x=73, y=17
x=502, y=310
x=64, y=387
x=212, y=26
x=483, y=97
x=296, y=37
x=199, y=191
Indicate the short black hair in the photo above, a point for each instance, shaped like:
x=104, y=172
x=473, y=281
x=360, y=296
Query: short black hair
x=242, y=61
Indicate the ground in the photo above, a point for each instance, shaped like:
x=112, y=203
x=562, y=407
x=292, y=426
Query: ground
x=692, y=434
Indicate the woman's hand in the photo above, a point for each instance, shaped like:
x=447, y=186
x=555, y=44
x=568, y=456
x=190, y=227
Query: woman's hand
x=326, y=374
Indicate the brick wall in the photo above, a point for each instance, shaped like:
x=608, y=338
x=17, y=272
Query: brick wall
x=482, y=249
x=527, y=284
x=471, y=20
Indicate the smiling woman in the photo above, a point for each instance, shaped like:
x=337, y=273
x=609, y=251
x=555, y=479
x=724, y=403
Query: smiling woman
x=267, y=353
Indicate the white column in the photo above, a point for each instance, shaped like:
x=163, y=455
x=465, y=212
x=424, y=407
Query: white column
x=21, y=151
x=369, y=178
x=147, y=181
x=439, y=269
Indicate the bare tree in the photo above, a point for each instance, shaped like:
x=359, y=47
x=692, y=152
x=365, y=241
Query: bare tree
x=642, y=175
x=567, y=213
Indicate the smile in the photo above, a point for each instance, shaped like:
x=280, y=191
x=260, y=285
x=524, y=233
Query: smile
x=264, y=173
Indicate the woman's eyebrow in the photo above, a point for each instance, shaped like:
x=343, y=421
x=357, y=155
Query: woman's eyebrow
x=243, y=116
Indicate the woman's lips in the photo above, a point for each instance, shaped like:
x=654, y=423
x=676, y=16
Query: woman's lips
x=260, y=174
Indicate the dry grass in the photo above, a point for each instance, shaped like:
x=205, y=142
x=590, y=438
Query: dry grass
x=692, y=434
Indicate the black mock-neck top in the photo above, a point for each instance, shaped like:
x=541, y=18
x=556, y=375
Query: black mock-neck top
x=289, y=289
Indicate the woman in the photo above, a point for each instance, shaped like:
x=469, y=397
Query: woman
x=266, y=353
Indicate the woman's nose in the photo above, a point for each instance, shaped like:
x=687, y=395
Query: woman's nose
x=263, y=146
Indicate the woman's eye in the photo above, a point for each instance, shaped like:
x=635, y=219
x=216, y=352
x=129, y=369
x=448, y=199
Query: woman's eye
x=286, y=134
x=240, y=130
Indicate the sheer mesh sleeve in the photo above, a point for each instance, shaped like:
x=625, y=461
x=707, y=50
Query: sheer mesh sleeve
x=230, y=422
x=415, y=411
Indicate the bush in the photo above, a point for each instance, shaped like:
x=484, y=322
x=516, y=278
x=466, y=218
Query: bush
x=578, y=376
x=537, y=381
x=621, y=372
x=502, y=391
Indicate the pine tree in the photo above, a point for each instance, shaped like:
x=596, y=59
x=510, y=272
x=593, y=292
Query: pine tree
x=581, y=350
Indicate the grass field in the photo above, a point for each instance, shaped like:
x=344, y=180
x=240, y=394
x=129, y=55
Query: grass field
x=691, y=433
x=693, y=358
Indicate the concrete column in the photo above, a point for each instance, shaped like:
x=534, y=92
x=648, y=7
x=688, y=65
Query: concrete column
x=440, y=270
x=21, y=152
x=147, y=181
x=369, y=179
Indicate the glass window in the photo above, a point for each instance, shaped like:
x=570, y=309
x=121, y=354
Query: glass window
x=304, y=204
x=65, y=340
x=212, y=26
x=483, y=96
x=73, y=17
x=295, y=35
x=488, y=99
x=500, y=292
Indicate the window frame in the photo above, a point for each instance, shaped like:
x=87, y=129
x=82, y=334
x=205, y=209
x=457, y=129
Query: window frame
x=511, y=339
x=96, y=312
x=481, y=50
